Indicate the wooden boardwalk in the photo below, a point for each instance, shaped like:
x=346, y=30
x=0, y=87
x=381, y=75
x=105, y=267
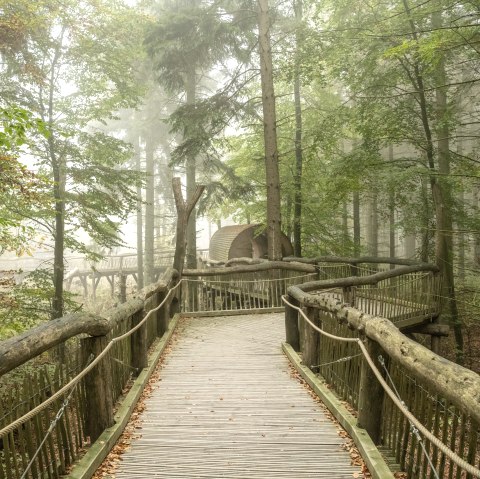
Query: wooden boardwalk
x=228, y=406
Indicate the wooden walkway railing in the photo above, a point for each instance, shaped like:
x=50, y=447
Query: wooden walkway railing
x=45, y=422
x=443, y=396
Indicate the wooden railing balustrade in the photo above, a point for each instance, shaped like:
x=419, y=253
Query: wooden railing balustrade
x=367, y=298
x=444, y=396
x=72, y=343
x=257, y=285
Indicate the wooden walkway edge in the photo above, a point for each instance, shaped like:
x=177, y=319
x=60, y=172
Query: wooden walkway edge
x=229, y=406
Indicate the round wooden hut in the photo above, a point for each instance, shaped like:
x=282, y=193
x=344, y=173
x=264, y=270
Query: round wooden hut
x=243, y=241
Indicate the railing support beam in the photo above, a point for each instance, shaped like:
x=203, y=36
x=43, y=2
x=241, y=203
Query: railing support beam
x=163, y=314
x=370, y=397
x=139, y=343
x=291, y=325
x=98, y=384
x=311, y=341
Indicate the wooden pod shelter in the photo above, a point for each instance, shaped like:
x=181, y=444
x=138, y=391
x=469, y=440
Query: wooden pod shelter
x=243, y=241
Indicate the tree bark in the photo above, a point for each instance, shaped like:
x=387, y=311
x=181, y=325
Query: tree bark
x=297, y=211
x=443, y=200
x=184, y=210
x=270, y=134
x=372, y=230
x=439, y=185
x=149, y=210
x=59, y=180
x=191, y=171
x=138, y=165
x=356, y=224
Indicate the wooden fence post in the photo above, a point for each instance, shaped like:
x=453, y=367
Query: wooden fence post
x=292, y=333
x=311, y=342
x=349, y=295
x=98, y=387
x=163, y=314
x=370, y=396
x=139, y=343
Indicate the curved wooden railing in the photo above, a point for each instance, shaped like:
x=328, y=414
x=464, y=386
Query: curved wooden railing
x=241, y=285
x=34, y=436
x=444, y=396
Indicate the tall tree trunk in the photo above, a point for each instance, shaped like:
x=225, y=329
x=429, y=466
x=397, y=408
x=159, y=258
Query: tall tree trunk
x=138, y=165
x=345, y=231
x=356, y=224
x=149, y=209
x=427, y=228
x=270, y=134
x=372, y=229
x=439, y=183
x=59, y=179
x=391, y=214
x=191, y=172
x=184, y=209
x=297, y=213
x=443, y=198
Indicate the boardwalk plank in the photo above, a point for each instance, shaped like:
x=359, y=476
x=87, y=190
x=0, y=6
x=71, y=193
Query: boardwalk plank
x=227, y=405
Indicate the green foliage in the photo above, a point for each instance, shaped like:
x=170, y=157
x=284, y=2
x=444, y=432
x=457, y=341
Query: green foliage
x=16, y=126
x=25, y=305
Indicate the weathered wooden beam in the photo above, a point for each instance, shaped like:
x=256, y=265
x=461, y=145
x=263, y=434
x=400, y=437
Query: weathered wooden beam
x=291, y=325
x=372, y=279
x=268, y=266
x=370, y=395
x=98, y=385
x=311, y=338
x=139, y=343
x=19, y=349
x=433, y=329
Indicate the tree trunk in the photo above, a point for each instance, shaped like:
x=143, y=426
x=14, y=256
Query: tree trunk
x=270, y=134
x=59, y=180
x=345, y=231
x=191, y=178
x=443, y=200
x=372, y=230
x=149, y=210
x=439, y=184
x=59, y=244
x=297, y=213
x=138, y=165
x=356, y=224
x=184, y=210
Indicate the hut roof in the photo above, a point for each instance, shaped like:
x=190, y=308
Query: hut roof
x=221, y=242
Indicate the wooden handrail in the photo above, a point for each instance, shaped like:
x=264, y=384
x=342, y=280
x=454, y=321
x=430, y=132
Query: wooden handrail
x=372, y=279
x=251, y=268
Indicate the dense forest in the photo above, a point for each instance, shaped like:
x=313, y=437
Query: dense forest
x=350, y=125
